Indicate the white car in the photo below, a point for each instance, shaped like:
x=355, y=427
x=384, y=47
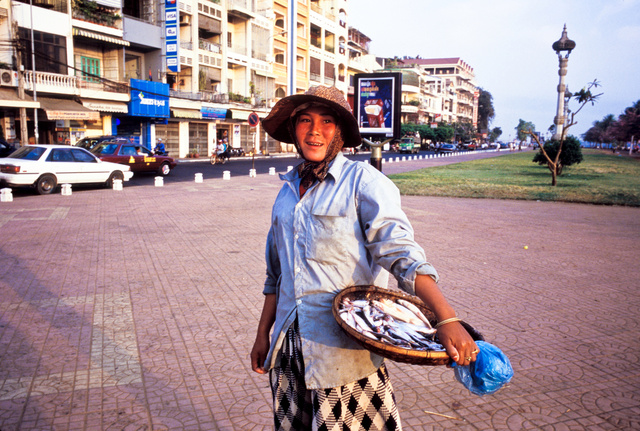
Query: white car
x=46, y=166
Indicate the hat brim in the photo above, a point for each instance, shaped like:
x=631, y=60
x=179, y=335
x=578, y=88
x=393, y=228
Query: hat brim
x=276, y=124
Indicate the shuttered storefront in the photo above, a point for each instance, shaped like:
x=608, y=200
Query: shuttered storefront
x=170, y=134
x=198, y=138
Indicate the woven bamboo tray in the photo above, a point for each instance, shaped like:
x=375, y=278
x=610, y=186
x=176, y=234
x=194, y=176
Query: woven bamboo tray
x=397, y=354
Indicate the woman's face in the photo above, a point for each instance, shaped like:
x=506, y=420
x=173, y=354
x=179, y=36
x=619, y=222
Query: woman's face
x=315, y=128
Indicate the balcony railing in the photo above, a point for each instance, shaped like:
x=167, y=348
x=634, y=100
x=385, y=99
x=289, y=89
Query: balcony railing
x=67, y=84
x=208, y=96
x=216, y=48
x=186, y=45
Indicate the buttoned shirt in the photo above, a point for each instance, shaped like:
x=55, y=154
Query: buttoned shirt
x=344, y=231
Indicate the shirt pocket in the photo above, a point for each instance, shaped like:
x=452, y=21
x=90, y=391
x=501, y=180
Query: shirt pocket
x=329, y=233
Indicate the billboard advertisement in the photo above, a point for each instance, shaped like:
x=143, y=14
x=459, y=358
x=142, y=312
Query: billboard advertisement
x=377, y=103
x=172, y=36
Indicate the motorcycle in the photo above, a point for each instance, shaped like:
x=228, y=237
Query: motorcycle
x=159, y=150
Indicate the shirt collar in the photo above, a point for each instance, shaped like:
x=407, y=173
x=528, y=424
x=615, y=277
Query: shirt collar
x=335, y=169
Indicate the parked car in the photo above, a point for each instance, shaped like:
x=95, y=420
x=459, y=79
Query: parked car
x=447, y=148
x=137, y=157
x=46, y=166
x=89, y=142
x=470, y=146
x=408, y=145
x=6, y=148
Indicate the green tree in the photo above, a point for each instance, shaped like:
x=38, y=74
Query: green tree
x=444, y=133
x=408, y=129
x=571, y=153
x=523, y=129
x=426, y=132
x=602, y=131
x=627, y=127
x=583, y=97
x=495, y=133
x=464, y=131
x=486, y=112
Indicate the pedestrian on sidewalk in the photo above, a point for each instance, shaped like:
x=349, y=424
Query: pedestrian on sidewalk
x=336, y=223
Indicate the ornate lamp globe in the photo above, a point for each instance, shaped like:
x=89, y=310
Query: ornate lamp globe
x=563, y=44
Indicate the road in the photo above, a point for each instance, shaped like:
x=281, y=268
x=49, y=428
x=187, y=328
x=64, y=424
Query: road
x=186, y=169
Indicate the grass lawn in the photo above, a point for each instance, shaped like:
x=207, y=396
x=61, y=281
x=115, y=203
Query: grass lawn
x=601, y=178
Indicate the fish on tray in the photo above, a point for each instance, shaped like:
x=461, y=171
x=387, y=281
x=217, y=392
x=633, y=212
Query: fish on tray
x=398, y=323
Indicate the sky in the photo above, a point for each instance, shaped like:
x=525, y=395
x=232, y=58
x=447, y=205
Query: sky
x=508, y=45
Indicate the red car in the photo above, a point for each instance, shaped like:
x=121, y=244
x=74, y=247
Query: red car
x=137, y=157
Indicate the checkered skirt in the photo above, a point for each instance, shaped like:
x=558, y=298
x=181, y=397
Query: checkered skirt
x=367, y=404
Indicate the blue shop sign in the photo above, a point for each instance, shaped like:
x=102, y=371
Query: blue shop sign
x=149, y=99
x=216, y=113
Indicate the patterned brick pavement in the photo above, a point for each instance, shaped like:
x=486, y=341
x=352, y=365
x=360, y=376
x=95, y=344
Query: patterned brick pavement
x=137, y=309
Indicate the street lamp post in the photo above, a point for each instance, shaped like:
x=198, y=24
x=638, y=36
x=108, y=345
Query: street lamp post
x=564, y=44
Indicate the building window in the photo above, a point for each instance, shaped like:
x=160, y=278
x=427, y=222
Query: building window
x=90, y=68
x=279, y=21
x=279, y=58
x=315, y=67
x=52, y=50
x=316, y=36
x=132, y=66
x=300, y=63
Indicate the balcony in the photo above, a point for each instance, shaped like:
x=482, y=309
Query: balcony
x=90, y=11
x=216, y=48
x=241, y=8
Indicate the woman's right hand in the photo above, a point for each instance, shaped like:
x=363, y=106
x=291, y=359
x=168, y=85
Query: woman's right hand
x=259, y=354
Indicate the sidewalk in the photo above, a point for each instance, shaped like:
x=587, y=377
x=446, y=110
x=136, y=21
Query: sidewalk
x=137, y=310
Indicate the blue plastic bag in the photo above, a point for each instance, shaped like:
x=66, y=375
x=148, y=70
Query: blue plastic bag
x=488, y=373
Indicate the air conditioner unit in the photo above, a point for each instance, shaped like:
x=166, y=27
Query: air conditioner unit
x=185, y=19
x=8, y=78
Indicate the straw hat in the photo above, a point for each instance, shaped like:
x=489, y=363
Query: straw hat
x=276, y=124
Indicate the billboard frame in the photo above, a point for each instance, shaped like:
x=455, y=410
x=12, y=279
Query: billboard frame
x=386, y=89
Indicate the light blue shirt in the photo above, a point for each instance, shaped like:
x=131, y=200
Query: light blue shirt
x=347, y=230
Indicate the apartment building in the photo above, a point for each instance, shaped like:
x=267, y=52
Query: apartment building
x=328, y=33
x=187, y=71
x=458, y=79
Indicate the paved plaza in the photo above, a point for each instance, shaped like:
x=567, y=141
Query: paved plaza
x=137, y=309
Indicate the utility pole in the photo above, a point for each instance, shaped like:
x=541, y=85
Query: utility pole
x=33, y=78
x=24, y=134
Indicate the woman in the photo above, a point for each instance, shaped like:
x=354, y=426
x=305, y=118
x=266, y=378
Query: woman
x=335, y=223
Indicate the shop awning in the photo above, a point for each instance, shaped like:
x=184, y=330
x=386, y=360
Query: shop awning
x=186, y=113
x=237, y=114
x=106, y=106
x=64, y=109
x=99, y=36
x=9, y=99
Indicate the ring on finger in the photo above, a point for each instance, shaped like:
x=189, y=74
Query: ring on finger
x=468, y=358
